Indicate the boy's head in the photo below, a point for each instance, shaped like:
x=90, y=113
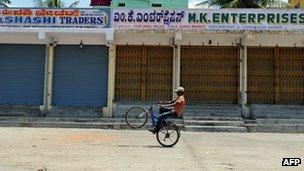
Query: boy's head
x=180, y=91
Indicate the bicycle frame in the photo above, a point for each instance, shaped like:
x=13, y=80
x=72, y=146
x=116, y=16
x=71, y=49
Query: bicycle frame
x=154, y=117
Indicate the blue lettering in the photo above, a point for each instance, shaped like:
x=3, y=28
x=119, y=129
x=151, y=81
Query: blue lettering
x=61, y=20
x=27, y=20
x=9, y=20
x=37, y=20
x=100, y=20
x=18, y=19
x=68, y=20
x=47, y=20
x=81, y=20
x=86, y=20
x=75, y=21
x=93, y=20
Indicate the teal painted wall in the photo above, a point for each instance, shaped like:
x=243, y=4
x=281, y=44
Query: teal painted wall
x=169, y=4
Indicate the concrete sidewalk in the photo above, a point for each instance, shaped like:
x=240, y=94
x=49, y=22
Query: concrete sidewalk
x=91, y=149
x=90, y=123
x=188, y=123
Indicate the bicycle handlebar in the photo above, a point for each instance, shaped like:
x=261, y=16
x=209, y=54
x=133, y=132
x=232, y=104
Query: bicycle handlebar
x=154, y=105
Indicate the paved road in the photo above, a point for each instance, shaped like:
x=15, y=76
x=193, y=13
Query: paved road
x=92, y=149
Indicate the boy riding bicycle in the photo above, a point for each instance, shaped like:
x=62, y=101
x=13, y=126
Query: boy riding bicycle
x=167, y=111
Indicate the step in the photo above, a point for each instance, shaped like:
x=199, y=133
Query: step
x=75, y=111
x=278, y=111
x=213, y=118
x=59, y=119
x=215, y=129
x=213, y=123
x=82, y=120
x=66, y=124
x=193, y=109
x=46, y=124
x=280, y=121
x=281, y=128
x=15, y=110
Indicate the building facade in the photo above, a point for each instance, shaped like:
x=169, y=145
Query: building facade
x=48, y=68
x=82, y=61
x=166, y=4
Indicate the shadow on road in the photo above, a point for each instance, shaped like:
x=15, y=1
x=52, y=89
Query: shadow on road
x=145, y=146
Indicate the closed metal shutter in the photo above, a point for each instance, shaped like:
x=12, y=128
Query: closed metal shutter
x=22, y=74
x=80, y=75
x=291, y=73
x=210, y=74
x=143, y=73
x=275, y=75
x=261, y=78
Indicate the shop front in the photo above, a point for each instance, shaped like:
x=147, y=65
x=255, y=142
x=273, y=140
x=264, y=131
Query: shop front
x=55, y=58
x=251, y=60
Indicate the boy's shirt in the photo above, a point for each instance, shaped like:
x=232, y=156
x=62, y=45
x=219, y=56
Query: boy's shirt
x=180, y=105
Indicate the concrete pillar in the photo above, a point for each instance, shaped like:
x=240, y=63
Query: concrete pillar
x=48, y=79
x=176, y=68
x=178, y=37
x=243, y=77
x=108, y=111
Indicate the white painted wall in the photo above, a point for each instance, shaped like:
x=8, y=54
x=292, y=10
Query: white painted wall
x=142, y=39
x=42, y=36
x=20, y=38
x=273, y=40
x=68, y=38
x=195, y=39
x=75, y=39
x=216, y=39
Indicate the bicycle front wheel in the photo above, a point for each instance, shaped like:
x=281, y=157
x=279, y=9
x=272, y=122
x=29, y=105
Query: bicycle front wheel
x=168, y=135
x=136, y=117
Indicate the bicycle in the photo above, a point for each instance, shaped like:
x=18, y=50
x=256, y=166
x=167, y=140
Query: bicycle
x=137, y=117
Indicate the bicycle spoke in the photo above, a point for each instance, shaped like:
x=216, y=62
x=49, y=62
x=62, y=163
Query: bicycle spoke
x=162, y=132
x=171, y=132
x=142, y=114
x=167, y=132
x=170, y=139
x=136, y=117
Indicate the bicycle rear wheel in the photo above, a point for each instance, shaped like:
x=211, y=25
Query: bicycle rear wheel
x=136, y=117
x=168, y=135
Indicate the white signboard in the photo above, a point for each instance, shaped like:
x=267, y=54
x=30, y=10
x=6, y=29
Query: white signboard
x=211, y=19
x=55, y=18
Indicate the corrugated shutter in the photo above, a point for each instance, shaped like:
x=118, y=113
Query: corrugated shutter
x=22, y=74
x=143, y=73
x=291, y=75
x=261, y=76
x=210, y=74
x=275, y=75
x=80, y=75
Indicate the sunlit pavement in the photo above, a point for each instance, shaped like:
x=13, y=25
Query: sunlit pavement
x=93, y=149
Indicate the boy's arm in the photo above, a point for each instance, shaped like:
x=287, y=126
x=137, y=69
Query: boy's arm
x=167, y=102
x=171, y=104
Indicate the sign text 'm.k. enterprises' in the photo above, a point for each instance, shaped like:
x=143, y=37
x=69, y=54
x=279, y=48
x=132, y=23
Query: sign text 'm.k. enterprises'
x=55, y=18
x=211, y=19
